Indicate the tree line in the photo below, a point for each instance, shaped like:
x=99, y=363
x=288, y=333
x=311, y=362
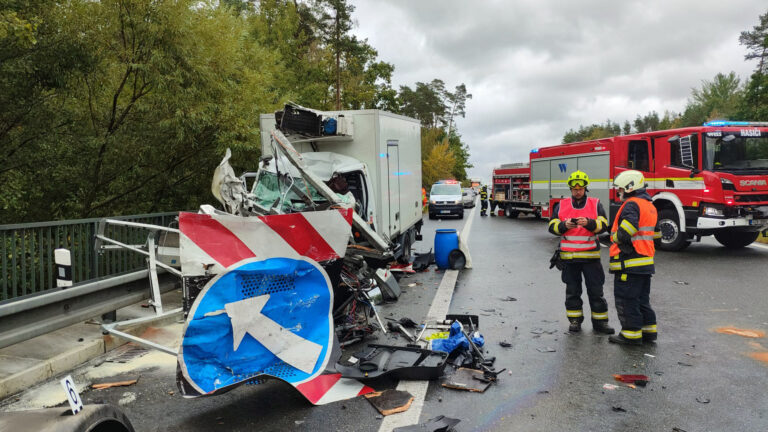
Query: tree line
x=725, y=97
x=126, y=106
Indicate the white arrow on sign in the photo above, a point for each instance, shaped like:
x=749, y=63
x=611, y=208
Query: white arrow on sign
x=289, y=347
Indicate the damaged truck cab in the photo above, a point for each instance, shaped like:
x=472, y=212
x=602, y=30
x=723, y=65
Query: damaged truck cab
x=370, y=156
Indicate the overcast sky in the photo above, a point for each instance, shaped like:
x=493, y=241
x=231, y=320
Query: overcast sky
x=538, y=68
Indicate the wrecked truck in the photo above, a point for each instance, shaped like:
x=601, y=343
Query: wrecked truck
x=287, y=269
x=372, y=154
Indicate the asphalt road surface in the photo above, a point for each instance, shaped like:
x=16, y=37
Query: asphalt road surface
x=700, y=379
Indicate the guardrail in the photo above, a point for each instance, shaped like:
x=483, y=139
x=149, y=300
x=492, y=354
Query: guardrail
x=27, y=264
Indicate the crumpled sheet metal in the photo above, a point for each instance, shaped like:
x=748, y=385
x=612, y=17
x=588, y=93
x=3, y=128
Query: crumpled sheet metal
x=211, y=243
x=267, y=313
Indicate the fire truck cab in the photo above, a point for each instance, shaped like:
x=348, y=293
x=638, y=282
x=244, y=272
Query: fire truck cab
x=706, y=180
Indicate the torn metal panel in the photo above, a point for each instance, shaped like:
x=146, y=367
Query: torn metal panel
x=285, y=146
x=267, y=312
x=210, y=243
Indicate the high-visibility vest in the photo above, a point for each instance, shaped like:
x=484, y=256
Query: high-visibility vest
x=483, y=195
x=642, y=236
x=578, y=242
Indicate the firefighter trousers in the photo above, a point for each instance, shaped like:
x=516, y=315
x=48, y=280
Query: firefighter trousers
x=633, y=304
x=594, y=278
x=483, y=205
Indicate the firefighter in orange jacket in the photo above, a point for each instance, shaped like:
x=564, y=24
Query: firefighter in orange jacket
x=578, y=220
x=632, y=264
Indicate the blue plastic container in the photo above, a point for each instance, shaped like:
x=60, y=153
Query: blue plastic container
x=329, y=126
x=446, y=240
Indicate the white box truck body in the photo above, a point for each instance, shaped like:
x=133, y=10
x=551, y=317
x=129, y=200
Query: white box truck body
x=389, y=146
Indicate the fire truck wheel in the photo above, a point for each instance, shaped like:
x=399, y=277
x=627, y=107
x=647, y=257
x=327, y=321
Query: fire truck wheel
x=671, y=237
x=512, y=214
x=735, y=239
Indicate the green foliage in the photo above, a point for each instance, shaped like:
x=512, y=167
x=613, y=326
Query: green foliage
x=127, y=106
x=716, y=99
x=754, y=105
x=437, y=163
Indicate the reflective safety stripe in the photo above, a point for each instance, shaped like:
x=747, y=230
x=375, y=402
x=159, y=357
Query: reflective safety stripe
x=628, y=227
x=643, y=237
x=632, y=334
x=600, y=222
x=580, y=238
x=637, y=262
x=586, y=254
x=574, y=313
x=624, y=277
x=557, y=225
x=656, y=235
x=577, y=245
x=634, y=262
x=615, y=237
x=647, y=228
x=600, y=315
x=649, y=328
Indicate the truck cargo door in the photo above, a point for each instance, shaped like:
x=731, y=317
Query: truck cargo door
x=393, y=185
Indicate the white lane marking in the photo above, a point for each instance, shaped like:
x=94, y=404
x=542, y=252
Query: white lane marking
x=440, y=307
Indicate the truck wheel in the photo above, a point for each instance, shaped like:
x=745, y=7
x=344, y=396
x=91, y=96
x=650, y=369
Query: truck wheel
x=405, y=258
x=735, y=239
x=672, y=239
x=512, y=214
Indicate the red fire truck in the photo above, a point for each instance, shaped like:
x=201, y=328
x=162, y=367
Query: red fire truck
x=706, y=180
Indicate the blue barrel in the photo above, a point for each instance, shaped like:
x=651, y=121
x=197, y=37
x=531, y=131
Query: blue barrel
x=446, y=240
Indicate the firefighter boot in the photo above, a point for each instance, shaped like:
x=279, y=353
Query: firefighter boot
x=601, y=326
x=621, y=340
x=575, y=325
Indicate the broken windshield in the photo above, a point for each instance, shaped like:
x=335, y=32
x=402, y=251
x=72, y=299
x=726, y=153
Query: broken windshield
x=733, y=152
x=267, y=192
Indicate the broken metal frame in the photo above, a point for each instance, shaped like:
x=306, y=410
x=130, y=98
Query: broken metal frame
x=285, y=147
x=156, y=300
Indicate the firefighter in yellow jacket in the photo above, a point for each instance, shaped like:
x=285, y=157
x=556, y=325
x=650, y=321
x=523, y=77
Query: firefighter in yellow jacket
x=632, y=263
x=578, y=220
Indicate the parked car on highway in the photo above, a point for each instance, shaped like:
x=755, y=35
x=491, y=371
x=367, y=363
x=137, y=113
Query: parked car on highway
x=445, y=199
x=468, y=197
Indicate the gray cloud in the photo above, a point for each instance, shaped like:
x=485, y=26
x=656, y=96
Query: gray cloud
x=537, y=68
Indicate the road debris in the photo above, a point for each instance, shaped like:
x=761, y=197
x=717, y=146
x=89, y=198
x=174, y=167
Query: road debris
x=682, y=283
x=440, y=423
x=607, y=386
x=684, y=364
x=748, y=333
x=467, y=379
x=703, y=400
x=390, y=401
x=509, y=299
x=640, y=380
x=617, y=408
x=546, y=349
x=505, y=344
x=110, y=384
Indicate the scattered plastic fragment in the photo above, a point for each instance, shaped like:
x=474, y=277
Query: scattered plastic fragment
x=607, y=386
x=701, y=399
x=617, y=408
x=546, y=349
x=640, y=380
x=505, y=344
x=510, y=299
x=682, y=283
x=684, y=364
x=440, y=423
x=390, y=401
x=649, y=355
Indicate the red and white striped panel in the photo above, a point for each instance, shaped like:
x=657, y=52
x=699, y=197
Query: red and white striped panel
x=215, y=242
x=328, y=388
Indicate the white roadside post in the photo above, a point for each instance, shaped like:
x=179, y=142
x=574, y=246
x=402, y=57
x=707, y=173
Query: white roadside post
x=63, y=260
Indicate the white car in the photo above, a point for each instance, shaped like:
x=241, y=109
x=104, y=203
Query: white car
x=468, y=197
